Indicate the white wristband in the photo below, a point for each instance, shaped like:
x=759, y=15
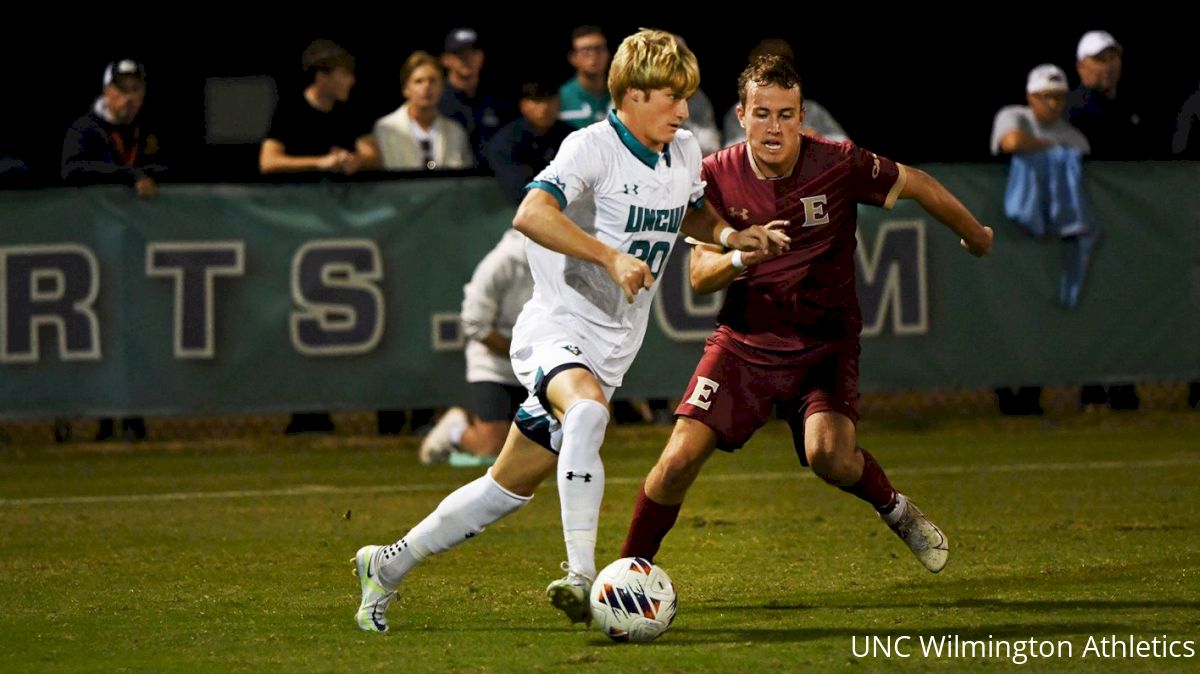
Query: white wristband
x=725, y=234
x=736, y=260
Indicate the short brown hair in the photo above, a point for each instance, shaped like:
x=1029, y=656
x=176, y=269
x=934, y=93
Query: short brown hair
x=766, y=70
x=584, y=31
x=325, y=56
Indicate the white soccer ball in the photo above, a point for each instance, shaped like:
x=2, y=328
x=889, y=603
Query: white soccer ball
x=633, y=600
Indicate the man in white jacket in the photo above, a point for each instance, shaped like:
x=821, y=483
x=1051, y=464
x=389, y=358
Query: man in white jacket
x=417, y=137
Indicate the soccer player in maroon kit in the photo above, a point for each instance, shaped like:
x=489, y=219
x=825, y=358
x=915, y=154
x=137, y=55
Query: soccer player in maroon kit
x=788, y=331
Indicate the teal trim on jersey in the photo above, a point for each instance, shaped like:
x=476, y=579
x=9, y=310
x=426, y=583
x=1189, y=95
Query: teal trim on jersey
x=551, y=188
x=644, y=154
x=698, y=203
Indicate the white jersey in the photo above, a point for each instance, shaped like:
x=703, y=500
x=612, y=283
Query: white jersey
x=500, y=286
x=630, y=198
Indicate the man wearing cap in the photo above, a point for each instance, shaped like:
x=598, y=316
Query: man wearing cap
x=1025, y=130
x=480, y=113
x=1112, y=127
x=1039, y=125
x=108, y=144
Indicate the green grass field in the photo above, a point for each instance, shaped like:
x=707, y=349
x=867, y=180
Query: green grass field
x=232, y=556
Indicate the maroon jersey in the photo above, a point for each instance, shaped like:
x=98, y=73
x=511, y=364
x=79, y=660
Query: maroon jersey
x=807, y=296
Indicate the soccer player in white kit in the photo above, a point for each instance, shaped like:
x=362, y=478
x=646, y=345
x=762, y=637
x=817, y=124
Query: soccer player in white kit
x=601, y=220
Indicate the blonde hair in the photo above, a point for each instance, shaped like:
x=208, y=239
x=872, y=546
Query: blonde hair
x=416, y=60
x=652, y=59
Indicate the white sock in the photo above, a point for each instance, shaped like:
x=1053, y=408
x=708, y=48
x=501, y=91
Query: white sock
x=899, y=511
x=581, y=482
x=460, y=516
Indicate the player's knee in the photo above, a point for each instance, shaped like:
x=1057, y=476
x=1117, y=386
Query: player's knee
x=832, y=463
x=587, y=417
x=676, y=471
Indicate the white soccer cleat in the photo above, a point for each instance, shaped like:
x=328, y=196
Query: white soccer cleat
x=436, y=447
x=570, y=595
x=372, y=611
x=921, y=536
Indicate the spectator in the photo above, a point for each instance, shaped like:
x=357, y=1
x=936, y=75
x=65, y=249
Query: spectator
x=463, y=99
x=315, y=131
x=1111, y=125
x=522, y=148
x=110, y=145
x=1114, y=131
x=417, y=135
x=584, y=99
x=1029, y=133
x=702, y=119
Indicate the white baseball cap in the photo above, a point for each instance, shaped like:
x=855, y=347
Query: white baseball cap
x=1095, y=41
x=1046, y=77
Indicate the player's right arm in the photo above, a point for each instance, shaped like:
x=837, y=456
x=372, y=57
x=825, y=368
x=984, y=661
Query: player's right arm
x=541, y=219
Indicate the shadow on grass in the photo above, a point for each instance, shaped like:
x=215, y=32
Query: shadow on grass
x=1034, y=605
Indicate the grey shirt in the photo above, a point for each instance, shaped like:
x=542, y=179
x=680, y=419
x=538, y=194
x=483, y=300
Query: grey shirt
x=1060, y=132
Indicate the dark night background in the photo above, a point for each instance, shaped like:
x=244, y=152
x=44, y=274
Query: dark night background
x=901, y=87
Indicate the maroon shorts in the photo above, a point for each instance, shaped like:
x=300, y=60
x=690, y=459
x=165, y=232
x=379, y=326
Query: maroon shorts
x=734, y=396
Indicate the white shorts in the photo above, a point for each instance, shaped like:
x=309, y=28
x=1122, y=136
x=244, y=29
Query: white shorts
x=535, y=365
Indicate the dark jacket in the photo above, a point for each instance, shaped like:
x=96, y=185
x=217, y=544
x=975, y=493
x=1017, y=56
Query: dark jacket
x=97, y=152
x=517, y=153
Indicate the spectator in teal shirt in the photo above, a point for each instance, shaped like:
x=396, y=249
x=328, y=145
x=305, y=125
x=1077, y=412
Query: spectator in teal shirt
x=584, y=98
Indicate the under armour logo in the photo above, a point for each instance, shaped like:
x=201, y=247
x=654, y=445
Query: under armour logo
x=586, y=477
x=634, y=189
x=575, y=350
x=743, y=213
x=553, y=179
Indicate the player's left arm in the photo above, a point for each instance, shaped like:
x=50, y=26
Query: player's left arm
x=704, y=224
x=923, y=188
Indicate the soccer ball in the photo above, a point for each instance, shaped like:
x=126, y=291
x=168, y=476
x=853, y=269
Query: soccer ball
x=633, y=600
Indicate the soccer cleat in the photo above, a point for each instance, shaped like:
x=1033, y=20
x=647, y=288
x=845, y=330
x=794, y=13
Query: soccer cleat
x=372, y=611
x=921, y=536
x=436, y=447
x=570, y=595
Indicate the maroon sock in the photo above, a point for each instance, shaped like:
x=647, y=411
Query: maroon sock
x=873, y=487
x=651, y=523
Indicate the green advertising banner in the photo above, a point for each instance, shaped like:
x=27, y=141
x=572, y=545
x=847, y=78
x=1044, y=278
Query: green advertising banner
x=252, y=298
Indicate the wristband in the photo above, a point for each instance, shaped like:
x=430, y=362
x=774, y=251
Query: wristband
x=725, y=234
x=736, y=260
